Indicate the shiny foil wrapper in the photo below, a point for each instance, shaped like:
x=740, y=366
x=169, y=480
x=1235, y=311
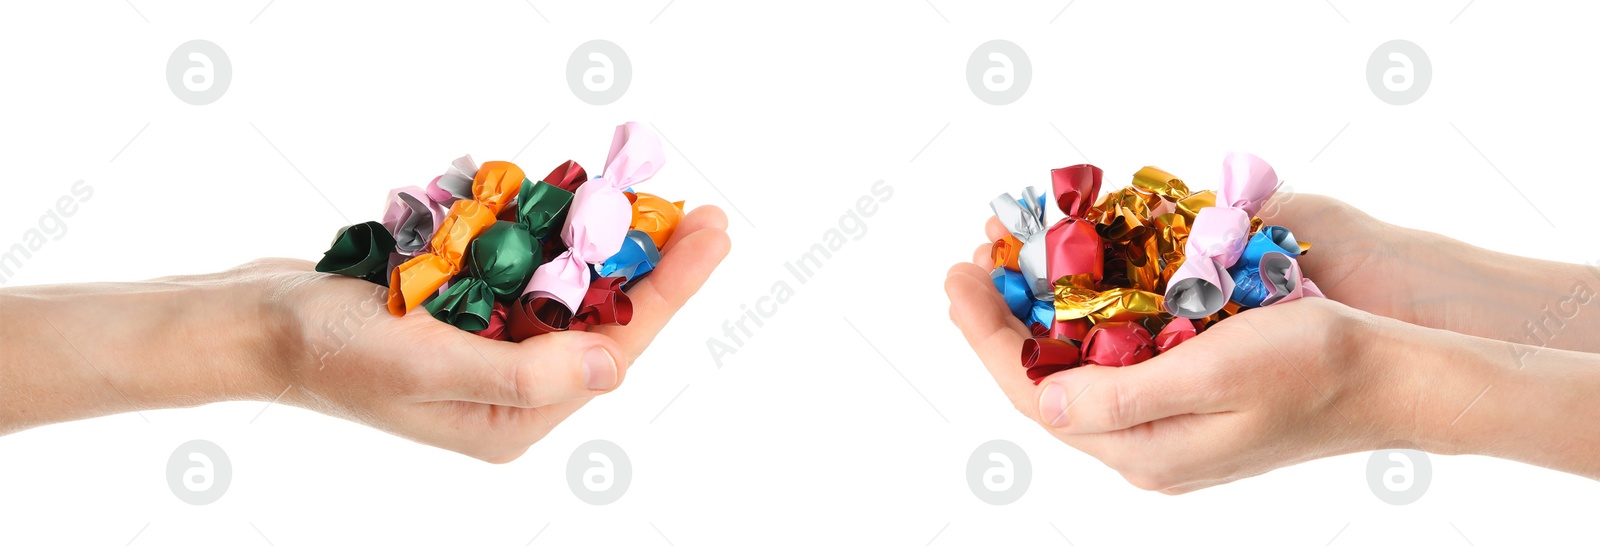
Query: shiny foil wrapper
x=1139, y=270
x=466, y=247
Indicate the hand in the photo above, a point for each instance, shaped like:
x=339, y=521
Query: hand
x=422, y=379
x=1431, y=280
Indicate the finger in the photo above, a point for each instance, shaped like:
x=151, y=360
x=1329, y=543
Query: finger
x=987, y=325
x=496, y=434
x=540, y=371
x=702, y=217
x=656, y=298
x=983, y=256
x=1093, y=399
x=995, y=230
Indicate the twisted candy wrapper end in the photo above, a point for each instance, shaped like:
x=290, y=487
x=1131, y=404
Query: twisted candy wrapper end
x=361, y=251
x=1076, y=188
x=655, y=216
x=1024, y=218
x=1043, y=356
x=1007, y=252
x=637, y=258
x=455, y=184
x=412, y=217
x=603, y=302
x=1281, y=274
x=1247, y=182
x=598, y=220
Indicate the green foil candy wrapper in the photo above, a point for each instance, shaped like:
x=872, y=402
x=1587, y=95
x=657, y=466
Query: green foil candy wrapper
x=466, y=304
x=504, y=258
x=361, y=251
x=541, y=208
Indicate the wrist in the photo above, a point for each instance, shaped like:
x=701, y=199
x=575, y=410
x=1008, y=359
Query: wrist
x=1441, y=387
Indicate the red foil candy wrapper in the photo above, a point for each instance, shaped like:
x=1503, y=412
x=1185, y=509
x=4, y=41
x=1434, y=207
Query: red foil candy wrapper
x=603, y=303
x=1073, y=246
x=497, y=324
x=1043, y=356
x=1175, y=332
x=1118, y=344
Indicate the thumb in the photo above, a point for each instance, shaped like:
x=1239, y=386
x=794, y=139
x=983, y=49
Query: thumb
x=537, y=372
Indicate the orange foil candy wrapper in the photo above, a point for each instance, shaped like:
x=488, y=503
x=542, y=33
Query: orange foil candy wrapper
x=1136, y=271
x=466, y=247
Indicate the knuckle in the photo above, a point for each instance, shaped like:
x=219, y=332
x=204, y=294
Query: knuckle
x=1117, y=407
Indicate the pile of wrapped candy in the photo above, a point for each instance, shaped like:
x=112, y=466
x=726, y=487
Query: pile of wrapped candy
x=1142, y=269
x=492, y=252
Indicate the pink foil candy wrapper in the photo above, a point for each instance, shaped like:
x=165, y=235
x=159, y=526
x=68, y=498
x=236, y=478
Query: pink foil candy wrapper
x=597, y=221
x=1281, y=275
x=412, y=217
x=1202, y=285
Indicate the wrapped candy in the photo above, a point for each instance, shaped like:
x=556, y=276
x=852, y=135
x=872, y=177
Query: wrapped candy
x=467, y=247
x=637, y=258
x=1024, y=250
x=596, y=229
x=1073, y=247
x=360, y=251
x=655, y=216
x=1140, y=270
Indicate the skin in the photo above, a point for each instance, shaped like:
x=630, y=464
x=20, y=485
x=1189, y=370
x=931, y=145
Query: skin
x=274, y=329
x=1411, y=350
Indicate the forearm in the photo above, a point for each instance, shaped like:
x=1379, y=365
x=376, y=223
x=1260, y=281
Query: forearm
x=78, y=351
x=1504, y=297
x=1493, y=398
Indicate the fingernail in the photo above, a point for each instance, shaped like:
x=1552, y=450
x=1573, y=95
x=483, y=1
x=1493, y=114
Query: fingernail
x=1053, y=405
x=599, y=369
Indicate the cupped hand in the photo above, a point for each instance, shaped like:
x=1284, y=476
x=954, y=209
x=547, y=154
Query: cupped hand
x=1366, y=263
x=420, y=378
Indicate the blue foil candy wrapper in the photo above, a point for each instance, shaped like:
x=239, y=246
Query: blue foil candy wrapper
x=1013, y=287
x=637, y=257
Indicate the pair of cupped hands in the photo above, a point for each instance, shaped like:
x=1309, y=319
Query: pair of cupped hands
x=1269, y=387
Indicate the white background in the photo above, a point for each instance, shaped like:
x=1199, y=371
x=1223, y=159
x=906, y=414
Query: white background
x=792, y=110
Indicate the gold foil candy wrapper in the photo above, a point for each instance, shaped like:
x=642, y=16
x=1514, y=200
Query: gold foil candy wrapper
x=1116, y=304
x=1153, y=181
